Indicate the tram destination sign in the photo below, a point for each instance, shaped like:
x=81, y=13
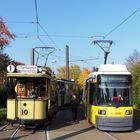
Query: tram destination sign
x=27, y=69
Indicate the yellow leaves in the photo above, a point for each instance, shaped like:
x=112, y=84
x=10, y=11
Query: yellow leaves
x=82, y=76
x=75, y=73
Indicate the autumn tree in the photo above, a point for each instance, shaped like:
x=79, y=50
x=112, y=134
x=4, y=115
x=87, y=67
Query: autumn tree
x=74, y=72
x=61, y=72
x=82, y=76
x=5, y=35
x=133, y=59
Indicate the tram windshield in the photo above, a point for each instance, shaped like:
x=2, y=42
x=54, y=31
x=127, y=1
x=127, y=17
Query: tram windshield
x=114, y=90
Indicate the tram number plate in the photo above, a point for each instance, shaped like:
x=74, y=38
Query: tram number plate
x=116, y=113
x=24, y=112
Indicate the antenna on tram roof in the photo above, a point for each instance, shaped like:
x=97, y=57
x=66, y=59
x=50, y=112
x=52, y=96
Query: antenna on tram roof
x=106, y=49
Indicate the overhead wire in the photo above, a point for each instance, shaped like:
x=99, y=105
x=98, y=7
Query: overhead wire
x=20, y=35
x=37, y=21
x=38, y=34
x=84, y=60
x=39, y=26
x=43, y=29
x=116, y=27
x=21, y=22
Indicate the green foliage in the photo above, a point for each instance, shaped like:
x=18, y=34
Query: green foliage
x=2, y=113
x=3, y=97
x=137, y=115
x=135, y=70
x=4, y=59
x=133, y=63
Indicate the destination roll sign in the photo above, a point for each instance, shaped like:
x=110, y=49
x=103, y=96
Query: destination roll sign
x=22, y=68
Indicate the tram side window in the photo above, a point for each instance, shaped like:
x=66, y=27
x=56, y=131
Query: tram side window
x=53, y=95
x=92, y=93
x=43, y=88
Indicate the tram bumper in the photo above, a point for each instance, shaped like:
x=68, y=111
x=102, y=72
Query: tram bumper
x=114, y=123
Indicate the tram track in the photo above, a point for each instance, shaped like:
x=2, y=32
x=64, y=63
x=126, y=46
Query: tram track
x=10, y=131
x=46, y=129
x=123, y=135
x=3, y=127
x=111, y=136
x=137, y=132
x=15, y=132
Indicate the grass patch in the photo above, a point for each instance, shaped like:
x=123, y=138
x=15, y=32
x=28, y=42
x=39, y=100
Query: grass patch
x=3, y=112
x=137, y=115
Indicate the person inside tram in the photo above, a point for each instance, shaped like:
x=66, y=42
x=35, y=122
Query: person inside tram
x=116, y=97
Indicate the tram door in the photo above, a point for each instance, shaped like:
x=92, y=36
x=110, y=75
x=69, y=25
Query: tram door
x=92, y=102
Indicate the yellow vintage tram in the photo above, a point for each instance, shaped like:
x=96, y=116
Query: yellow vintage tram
x=30, y=98
x=107, y=98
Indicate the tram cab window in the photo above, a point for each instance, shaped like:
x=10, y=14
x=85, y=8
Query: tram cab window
x=92, y=93
x=114, y=90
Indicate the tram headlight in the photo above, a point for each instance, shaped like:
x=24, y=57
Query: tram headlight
x=102, y=112
x=39, y=69
x=128, y=112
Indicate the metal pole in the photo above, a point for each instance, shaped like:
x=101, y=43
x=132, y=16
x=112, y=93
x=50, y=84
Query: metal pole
x=106, y=54
x=67, y=62
x=32, y=56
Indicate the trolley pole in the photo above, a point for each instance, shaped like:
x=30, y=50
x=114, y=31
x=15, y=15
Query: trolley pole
x=106, y=49
x=32, y=56
x=67, y=62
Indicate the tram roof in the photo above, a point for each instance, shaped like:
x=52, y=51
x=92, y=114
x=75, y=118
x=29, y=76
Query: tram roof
x=109, y=69
x=28, y=75
x=113, y=68
x=108, y=73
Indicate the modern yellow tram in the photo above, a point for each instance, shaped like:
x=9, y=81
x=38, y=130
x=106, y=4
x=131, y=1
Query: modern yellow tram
x=107, y=98
x=30, y=98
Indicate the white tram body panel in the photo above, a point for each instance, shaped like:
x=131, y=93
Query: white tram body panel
x=110, y=69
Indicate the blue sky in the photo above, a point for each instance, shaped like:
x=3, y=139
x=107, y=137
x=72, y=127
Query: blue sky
x=75, y=23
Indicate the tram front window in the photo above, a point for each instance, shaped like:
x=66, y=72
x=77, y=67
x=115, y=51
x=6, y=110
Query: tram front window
x=114, y=90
